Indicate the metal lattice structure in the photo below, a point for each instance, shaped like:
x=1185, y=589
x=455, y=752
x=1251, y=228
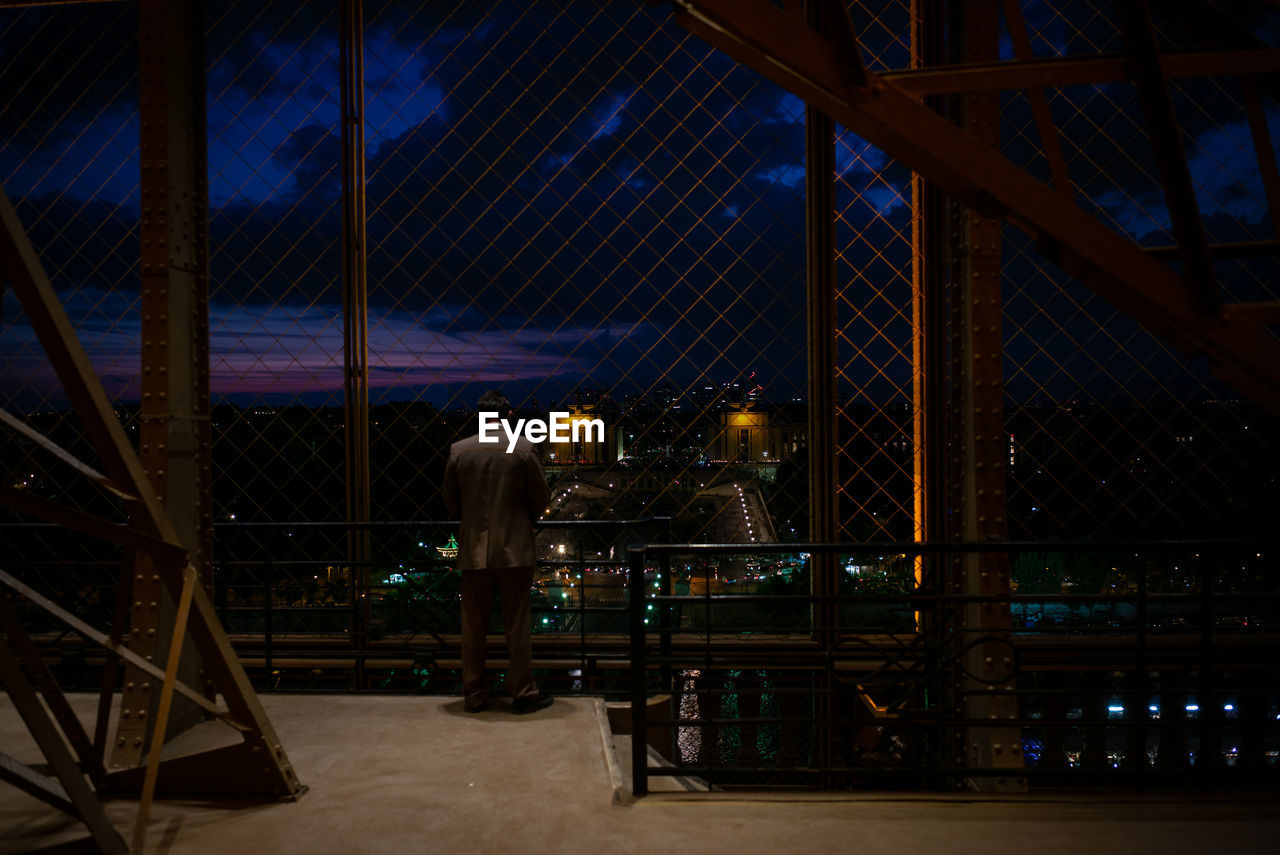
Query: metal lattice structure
x=830, y=271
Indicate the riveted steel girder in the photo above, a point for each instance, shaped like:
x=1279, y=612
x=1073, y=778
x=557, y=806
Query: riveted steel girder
x=174, y=407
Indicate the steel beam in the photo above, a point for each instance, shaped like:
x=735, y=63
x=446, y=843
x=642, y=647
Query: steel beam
x=1210, y=26
x=1170, y=156
x=129, y=537
x=270, y=772
x=1263, y=314
x=1056, y=72
x=1039, y=100
x=820, y=275
x=804, y=63
x=174, y=412
x=35, y=784
x=981, y=439
x=79, y=796
x=111, y=645
x=42, y=679
x=22, y=269
x=19, y=426
x=190, y=579
x=1236, y=249
x=355, y=317
x=20, y=4
x=1264, y=150
x=929, y=276
x=821, y=310
x=833, y=20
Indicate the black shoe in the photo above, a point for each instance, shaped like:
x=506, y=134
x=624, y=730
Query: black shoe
x=525, y=705
x=475, y=708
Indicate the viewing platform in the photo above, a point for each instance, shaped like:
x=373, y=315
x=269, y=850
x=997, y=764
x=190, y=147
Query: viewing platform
x=400, y=774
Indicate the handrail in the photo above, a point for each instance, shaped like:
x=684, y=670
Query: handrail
x=967, y=547
x=639, y=561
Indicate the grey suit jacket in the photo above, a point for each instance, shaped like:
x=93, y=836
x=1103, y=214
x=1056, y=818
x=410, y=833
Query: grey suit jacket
x=497, y=496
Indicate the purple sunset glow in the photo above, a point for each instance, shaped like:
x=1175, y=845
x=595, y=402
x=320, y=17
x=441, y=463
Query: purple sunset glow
x=297, y=350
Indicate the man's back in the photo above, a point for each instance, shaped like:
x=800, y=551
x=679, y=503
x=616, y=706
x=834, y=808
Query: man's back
x=497, y=496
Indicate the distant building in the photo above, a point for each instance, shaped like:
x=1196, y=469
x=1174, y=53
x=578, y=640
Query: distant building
x=748, y=434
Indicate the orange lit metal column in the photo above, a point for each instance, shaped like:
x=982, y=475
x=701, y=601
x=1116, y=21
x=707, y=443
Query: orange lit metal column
x=928, y=316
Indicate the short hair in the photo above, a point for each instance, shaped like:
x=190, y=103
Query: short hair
x=494, y=400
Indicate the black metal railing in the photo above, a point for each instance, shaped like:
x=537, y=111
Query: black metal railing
x=1132, y=663
x=398, y=611
x=1161, y=670
x=304, y=617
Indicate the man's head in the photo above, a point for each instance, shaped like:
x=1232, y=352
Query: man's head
x=494, y=401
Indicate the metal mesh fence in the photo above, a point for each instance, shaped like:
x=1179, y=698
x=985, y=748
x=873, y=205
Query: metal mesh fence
x=595, y=211
x=275, y=270
x=582, y=204
x=873, y=310
x=69, y=164
x=1113, y=433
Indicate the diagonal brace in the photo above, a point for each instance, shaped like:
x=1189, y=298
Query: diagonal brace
x=1171, y=157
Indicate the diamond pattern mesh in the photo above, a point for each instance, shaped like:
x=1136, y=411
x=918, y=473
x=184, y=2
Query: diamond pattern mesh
x=275, y=289
x=1112, y=432
x=554, y=207
x=581, y=203
x=69, y=163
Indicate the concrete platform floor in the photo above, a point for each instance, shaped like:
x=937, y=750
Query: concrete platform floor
x=411, y=775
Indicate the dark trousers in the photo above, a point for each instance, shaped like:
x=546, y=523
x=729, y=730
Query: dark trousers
x=513, y=585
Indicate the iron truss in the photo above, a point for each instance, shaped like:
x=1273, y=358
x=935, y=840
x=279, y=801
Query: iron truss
x=888, y=110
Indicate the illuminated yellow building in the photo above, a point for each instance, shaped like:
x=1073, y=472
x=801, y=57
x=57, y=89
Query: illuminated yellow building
x=749, y=435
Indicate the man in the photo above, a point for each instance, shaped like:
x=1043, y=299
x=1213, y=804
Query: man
x=498, y=496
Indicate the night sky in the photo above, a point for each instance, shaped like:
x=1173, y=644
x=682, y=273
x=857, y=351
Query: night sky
x=559, y=193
